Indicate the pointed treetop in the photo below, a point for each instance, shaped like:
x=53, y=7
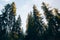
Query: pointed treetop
x=36, y=12
x=55, y=10
x=14, y=8
x=29, y=15
x=19, y=18
x=34, y=7
x=13, y=3
x=43, y=3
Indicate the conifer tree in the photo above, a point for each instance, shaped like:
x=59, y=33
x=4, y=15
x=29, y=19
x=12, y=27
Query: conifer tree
x=38, y=27
x=34, y=25
x=29, y=27
x=57, y=22
x=51, y=32
x=48, y=17
x=4, y=22
x=7, y=21
x=46, y=11
x=16, y=30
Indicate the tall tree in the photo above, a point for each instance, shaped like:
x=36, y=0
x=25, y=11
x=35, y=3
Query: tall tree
x=8, y=19
x=29, y=27
x=4, y=22
x=51, y=32
x=34, y=25
x=16, y=30
x=57, y=22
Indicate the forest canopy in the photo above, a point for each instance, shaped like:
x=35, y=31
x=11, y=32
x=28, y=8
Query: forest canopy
x=36, y=29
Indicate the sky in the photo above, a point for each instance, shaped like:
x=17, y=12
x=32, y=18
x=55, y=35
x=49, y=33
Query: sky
x=23, y=7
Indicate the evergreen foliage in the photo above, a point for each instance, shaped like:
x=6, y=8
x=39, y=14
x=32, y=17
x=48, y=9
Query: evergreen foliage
x=10, y=28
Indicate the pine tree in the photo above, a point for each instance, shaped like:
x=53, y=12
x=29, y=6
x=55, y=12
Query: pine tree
x=34, y=25
x=16, y=30
x=8, y=16
x=14, y=25
x=48, y=16
x=57, y=22
x=7, y=21
x=47, y=12
x=51, y=32
x=29, y=27
x=4, y=22
x=57, y=18
x=38, y=27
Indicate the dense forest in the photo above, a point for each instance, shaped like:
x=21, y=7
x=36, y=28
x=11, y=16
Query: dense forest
x=36, y=29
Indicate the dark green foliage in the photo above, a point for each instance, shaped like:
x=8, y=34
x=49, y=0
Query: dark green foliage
x=29, y=27
x=16, y=30
x=10, y=28
x=53, y=24
x=4, y=23
x=36, y=30
x=34, y=25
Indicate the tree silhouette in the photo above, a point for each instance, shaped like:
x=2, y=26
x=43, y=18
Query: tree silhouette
x=34, y=25
x=10, y=28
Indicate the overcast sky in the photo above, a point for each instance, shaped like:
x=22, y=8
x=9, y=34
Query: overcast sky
x=25, y=6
